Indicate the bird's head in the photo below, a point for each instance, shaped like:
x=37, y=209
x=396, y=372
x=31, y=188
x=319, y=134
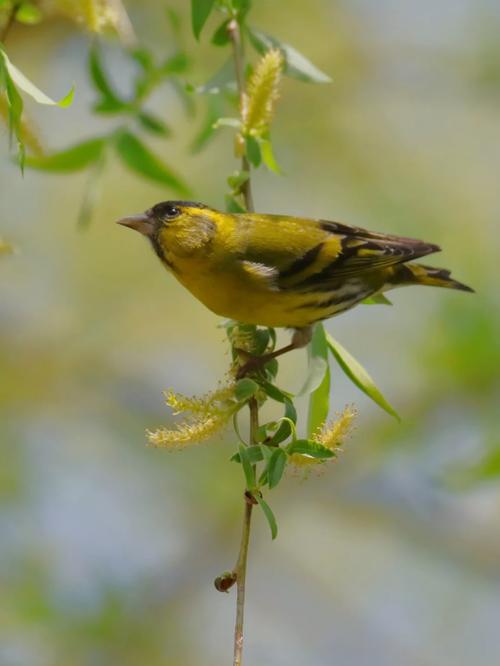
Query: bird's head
x=178, y=227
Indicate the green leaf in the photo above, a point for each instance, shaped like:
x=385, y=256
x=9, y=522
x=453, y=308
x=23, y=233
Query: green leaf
x=30, y=89
x=254, y=454
x=269, y=515
x=296, y=65
x=247, y=466
x=285, y=429
x=200, y=11
x=378, y=299
x=252, y=150
x=29, y=14
x=153, y=124
x=232, y=205
x=110, y=102
x=318, y=361
x=276, y=467
x=15, y=108
x=319, y=401
x=358, y=375
x=266, y=150
x=238, y=179
x=141, y=160
x=221, y=35
x=245, y=388
x=72, y=159
x=310, y=448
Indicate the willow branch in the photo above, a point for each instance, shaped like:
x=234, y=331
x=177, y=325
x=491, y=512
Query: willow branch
x=235, y=36
x=241, y=565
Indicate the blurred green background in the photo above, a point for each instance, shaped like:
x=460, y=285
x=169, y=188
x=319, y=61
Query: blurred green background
x=108, y=549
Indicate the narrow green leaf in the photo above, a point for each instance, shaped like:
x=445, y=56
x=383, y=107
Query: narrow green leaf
x=275, y=393
x=141, y=160
x=254, y=454
x=269, y=516
x=15, y=108
x=232, y=205
x=245, y=388
x=310, y=448
x=221, y=35
x=238, y=179
x=153, y=124
x=358, y=375
x=276, y=467
x=247, y=466
x=266, y=150
x=252, y=150
x=296, y=65
x=318, y=361
x=200, y=11
x=110, y=102
x=29, y=14
x=22, y=82
x=319, y=401
x=285, y=429
x=72, y=159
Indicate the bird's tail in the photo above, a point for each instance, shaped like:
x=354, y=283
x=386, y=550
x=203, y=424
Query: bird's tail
x=406, y=274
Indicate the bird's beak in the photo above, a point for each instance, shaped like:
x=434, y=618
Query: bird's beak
x=141, y=223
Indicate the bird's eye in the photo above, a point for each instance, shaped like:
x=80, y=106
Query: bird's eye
x=171, y=212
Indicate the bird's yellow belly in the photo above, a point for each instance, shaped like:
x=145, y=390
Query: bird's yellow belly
x=236, y=297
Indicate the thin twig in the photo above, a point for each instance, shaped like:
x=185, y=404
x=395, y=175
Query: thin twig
x=241, y=565
x=235, y=36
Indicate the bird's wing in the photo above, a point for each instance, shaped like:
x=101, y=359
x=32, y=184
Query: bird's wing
x=295, y=253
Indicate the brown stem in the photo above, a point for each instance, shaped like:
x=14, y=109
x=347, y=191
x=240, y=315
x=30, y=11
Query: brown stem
x=241, y=565
x=235, y=36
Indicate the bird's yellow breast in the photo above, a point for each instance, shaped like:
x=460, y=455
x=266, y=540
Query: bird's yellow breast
x=231, y=273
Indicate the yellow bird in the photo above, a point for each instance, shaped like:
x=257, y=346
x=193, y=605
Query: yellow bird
x=277, y=270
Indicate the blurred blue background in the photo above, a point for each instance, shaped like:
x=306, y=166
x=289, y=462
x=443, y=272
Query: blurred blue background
x=108, y=549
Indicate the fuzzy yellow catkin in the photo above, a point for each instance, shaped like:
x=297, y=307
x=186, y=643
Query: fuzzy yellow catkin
x=207, y=415
x=263, y=93
x=332, y=435
x=28, y=132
